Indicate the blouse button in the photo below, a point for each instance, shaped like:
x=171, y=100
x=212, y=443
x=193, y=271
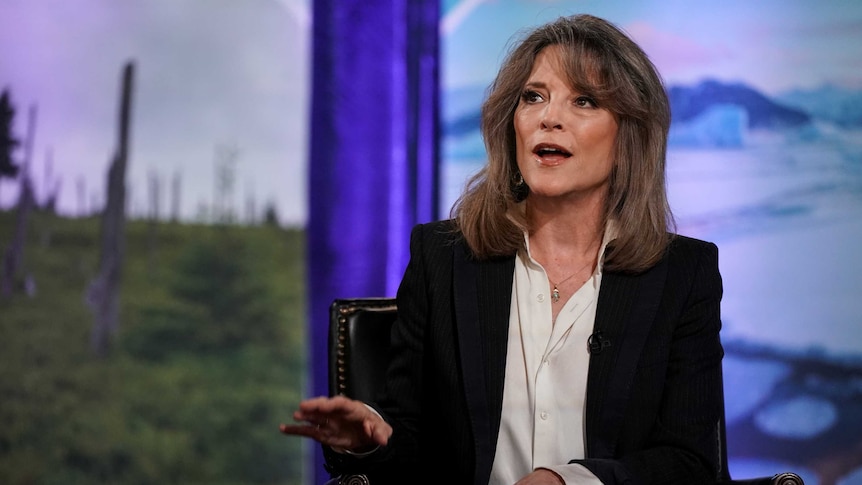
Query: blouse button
x=543, y=415
x=541, y=297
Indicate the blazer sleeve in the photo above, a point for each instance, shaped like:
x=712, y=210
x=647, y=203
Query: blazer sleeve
x=681, y=439
x=400, y=405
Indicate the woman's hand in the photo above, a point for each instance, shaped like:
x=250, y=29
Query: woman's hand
x=339, y=422
x=541, y=476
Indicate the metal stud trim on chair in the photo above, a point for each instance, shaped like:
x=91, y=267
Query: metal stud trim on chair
x=340, y=355
x=354, y=480
x=787, y=479
x=343, y=381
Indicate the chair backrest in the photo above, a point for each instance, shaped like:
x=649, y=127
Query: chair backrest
x=359, y=346
x=359, y=331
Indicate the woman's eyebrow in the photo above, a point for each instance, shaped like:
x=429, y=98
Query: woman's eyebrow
x=535, y=84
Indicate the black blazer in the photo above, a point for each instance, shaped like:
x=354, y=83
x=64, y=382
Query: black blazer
x=654, y=392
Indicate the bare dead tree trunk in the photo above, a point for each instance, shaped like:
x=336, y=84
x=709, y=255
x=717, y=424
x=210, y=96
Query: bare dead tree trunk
x=226, y=157
x=47, y=178
x=103, y=294
x=53, y=184
x=95, y=206
x=14, y=254
x=176, y=187
x=81, y=190
x=54, y=195
x=48, y=203
x=250, y=206
x=155, y=185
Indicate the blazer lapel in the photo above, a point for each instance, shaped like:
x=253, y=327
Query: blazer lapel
x=624, y=314
x=483, y=292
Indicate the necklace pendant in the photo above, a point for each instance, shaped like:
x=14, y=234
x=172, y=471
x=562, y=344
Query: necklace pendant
x=555, y=295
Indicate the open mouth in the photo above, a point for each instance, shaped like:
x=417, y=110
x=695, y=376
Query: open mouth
x=550, y=154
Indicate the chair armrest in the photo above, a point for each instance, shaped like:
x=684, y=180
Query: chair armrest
x=349, y=480
x=786, y=478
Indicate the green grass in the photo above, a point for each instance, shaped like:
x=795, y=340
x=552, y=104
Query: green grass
x=193, y=388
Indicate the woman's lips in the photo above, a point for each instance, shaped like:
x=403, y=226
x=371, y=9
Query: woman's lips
x=550, y=154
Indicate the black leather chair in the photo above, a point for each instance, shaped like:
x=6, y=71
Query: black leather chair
x=358, y=357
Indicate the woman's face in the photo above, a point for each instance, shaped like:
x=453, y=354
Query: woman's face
x=563, y=140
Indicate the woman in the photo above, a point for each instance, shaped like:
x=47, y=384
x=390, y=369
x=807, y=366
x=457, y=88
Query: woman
x=554, y=331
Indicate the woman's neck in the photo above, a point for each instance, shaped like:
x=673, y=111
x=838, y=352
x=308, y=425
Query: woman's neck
x=565, y=230
x=565, y=239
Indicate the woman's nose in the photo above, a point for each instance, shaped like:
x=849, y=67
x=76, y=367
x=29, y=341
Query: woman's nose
x=550, y=117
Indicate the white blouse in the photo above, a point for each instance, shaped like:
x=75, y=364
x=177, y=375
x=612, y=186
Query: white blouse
x=542, y=424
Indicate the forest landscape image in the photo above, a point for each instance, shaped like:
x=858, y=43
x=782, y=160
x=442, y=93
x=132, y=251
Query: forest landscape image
x=152, y=316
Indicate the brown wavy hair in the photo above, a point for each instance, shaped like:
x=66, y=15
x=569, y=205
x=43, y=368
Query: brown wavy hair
x=605, y=64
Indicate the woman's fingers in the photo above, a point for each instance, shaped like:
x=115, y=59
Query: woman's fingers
x=306, y=430
x=298, y=429
x=324, y=407
x=321, y=434
x=340, y=422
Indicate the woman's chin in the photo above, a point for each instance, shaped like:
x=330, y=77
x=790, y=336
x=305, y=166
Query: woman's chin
x=546, y=194
x=559, y=194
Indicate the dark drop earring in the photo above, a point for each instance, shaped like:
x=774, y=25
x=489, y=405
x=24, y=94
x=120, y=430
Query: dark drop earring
x=519, y=187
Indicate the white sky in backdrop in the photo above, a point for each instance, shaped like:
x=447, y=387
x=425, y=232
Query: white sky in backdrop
x=209, y=73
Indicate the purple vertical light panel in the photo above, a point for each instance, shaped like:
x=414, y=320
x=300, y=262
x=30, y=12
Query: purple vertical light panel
x=373, y=156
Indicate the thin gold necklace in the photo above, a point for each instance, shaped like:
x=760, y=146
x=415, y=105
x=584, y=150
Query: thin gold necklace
x=555, y=294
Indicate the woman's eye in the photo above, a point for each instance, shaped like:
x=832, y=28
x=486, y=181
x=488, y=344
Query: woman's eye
x=531, y=97
x=585, y=102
